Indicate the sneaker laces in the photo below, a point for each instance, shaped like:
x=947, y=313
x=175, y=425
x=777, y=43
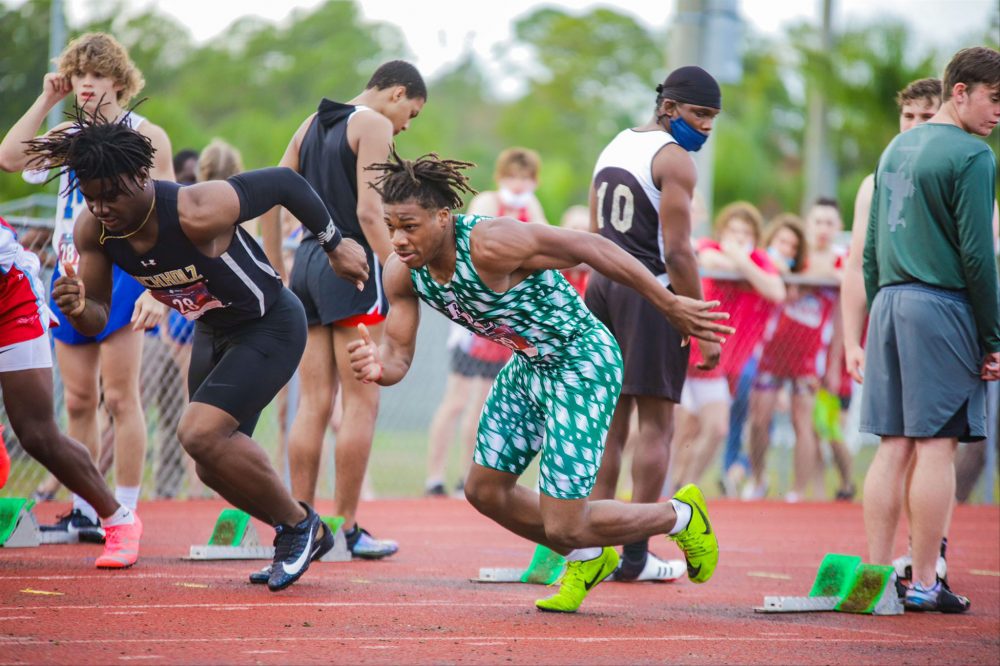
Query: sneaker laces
x=691, y=546
x=282, y=543
x=113, y=539
x=572, y=575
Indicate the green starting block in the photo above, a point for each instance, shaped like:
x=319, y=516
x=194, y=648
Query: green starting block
x=845, y=584
x=18, y=527
x=234, y=537
x=545, y=568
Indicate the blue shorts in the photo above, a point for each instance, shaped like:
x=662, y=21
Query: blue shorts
x=179, y=329
x=125, y=291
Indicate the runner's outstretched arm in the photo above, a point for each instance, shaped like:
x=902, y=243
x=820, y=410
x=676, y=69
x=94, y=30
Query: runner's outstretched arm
x=504, y=250
x=208, y=209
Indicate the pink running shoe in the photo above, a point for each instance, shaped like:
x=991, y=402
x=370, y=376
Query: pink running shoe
x=121, y=545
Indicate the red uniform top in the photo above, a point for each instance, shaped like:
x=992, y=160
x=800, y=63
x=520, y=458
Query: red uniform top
x=24, y=314
x=748, y=311
x=796, y=340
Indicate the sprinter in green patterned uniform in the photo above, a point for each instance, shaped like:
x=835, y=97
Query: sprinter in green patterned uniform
x=499, y=278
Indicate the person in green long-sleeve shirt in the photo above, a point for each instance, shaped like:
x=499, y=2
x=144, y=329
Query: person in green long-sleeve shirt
x=934, y=335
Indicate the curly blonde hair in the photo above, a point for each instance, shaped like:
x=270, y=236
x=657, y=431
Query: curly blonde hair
x=102, y=54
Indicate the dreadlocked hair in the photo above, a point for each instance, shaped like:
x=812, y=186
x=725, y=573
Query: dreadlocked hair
x=93, y=147
x=431, y=181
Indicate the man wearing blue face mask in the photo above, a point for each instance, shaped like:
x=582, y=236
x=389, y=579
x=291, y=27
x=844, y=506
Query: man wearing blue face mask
x=641, y=199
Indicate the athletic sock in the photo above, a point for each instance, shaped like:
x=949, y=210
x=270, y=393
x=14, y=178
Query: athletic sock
x=81, y=505
x=944, y=547
x=584, y=554
x=123, y=516
x=127, y=495
x=635, y=552
x=683, y=516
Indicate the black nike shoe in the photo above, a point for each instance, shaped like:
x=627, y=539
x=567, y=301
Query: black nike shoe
x=325, y=545
x=75, y=527
x=295, y=547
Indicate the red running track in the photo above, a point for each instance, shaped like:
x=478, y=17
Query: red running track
x=419, y=606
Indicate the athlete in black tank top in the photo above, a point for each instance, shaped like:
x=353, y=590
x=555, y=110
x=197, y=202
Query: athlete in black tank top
x=237, y=286
x=332, y=149
x=331, y=167
x=185, y=244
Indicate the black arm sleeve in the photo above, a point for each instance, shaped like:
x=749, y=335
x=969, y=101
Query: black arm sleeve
x=262, y=189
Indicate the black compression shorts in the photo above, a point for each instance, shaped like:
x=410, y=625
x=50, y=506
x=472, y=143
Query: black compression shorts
x=241, y=368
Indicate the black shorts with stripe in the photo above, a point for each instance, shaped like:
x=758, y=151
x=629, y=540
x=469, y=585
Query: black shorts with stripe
x=240, y=368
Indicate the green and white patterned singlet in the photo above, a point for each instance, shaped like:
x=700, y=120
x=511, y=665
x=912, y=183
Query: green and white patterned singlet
x=558, y=392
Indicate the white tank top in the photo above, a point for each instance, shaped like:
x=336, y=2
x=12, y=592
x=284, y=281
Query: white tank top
x=628, y=201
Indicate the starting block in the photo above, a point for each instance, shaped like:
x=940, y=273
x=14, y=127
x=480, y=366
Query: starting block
x=545, y=568
x=234, y=537
x=18, y=527
x=844, y=584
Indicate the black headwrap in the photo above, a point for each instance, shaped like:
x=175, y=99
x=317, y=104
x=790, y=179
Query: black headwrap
x=691, y=85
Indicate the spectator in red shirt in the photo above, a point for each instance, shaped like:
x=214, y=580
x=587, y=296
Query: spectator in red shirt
x=749, y=296
x=792, y=343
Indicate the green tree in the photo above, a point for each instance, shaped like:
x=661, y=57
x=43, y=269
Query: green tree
x=595, y=76
x=23, y=63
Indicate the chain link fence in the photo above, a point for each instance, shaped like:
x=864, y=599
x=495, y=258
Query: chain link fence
x=406, y=411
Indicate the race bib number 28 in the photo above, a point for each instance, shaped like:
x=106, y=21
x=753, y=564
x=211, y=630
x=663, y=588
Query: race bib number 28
x=192, y=301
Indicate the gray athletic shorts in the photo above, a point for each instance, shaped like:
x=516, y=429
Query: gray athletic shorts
x=922, y=364
x=654, y=362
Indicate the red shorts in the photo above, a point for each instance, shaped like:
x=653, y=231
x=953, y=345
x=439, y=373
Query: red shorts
x=368, y=319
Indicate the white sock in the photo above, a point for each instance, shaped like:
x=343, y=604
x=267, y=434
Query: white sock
x=123, y=516
x=584, y=554
x=83, y=507
x=127, y=495
x=683, y=516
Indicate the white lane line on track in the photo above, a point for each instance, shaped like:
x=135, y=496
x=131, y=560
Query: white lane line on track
x=290, y=604
x=140, y=657
x=13, y=641
x=221, y=574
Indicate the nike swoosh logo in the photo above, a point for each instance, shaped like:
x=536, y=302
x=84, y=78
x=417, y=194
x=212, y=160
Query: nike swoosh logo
x=693, y=571
x=704, y=519
x=299, y=563
x=593, y=581
x=5, y=350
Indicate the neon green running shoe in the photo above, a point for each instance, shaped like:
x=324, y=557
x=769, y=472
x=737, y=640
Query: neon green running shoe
x=697, y=540
x=579, y=579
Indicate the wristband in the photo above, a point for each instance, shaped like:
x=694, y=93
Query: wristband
x=330, y=237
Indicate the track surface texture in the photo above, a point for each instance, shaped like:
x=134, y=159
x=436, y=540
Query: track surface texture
x=420, y=606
